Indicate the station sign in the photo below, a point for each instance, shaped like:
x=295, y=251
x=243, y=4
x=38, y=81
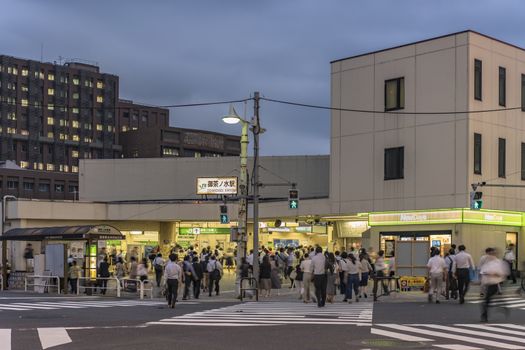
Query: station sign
x=204, y=231
x=423, y=217
x=217, y=185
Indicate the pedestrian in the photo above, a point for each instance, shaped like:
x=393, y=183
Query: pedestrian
x=319, y=268
x=380, y=271
x=158, y=266
x=189, y=276
x=392, y=270
x=142, y=270
x=103, y=274
x=306, y=268
x=510, y=258
x=152, y=256
x=215, y=272
x=29, y=257
x=276, y=273
x=74, y=275
x=290, y=264
x=197, y=267
x=172, y=274
x=265, y=276
x=464, y=263
x=437, y=269
x=298, y=281
x=343, y=273
x=366, y=269
x=493, y=271
x=452, y=290
x=353, y=278
x=332, y=274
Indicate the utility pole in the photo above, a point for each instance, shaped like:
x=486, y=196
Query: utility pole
x=256, y=131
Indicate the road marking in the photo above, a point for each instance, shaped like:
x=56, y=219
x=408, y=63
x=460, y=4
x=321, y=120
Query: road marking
x=479, y=301
x=5, y=339
x=492, y=329
x=399, y=336
x=448, y=335
x=49, y=305
x=479, y=334
x=50, y=337
x=457, y=347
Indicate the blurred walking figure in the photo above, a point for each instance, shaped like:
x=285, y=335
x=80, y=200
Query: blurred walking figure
x=493, y=271
x=142, y=270
x=265, y=276
x=158, y=266
x=332, y=274
x=306, y=268
x=275, y=275
x=464, y=263
x=74, y=274
x=173, y=274
x=319, y=269
x=103, y=273
x=510, y=258
x=197, y=267
x=215, y=272
x=366, y=269
x=189, y=276
x=450, y=260
x=380, y=269
x=437, y=271
x=353, y=278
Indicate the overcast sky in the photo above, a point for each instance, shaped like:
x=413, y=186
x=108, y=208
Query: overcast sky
x=174, y=52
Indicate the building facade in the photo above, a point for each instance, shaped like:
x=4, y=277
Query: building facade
x=51, y=115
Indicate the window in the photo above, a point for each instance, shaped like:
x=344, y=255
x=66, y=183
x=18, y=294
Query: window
x=502, y=86
x=50, y=91
x=394, y=163
x=100, y=84
x=75, y=95
x=12, y=184
x=59, y=188
x=75, y=124
x=25, y=72
x=523, y=92
x=50, y=121
x=522, y=161
x=50, y=106
x=11, y=130
x=100, y=99
x=124, y=128
x=74, y=154
x=24, y=132
x=24, y=164
x=477, y=80
x=24, y=88
x=50, y=134
x=501, y=157
x=29, y=186
x=50, y=167
x=169, y=151
x=76, y=80
x=11, y=116
x=73, y=189
x=51, y=76
x=100, y=127
x=25, y=102
x=43, y=187
x=394, y=94
x=75, y=110
x=477, y=154
x=144, y=118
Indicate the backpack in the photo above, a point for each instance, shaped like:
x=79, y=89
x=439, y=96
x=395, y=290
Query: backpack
x=216, y=273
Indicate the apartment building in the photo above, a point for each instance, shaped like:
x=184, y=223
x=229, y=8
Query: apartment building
x=53, y=114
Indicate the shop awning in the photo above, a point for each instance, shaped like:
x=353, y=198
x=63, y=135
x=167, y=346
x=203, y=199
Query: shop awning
x=87, y=232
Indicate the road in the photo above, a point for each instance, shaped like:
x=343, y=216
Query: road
x=47, y=322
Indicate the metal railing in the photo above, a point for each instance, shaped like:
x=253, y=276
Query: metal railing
x=252, y=286
x=92, y=284
x=46, y=285
x=144, y=289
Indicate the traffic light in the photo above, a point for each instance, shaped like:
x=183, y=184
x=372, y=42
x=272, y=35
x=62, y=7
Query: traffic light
x=223, y=216
x=293, y=199
x=475, y=200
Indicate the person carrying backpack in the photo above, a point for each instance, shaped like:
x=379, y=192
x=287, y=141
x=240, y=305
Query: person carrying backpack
x=214, y=269
x=158, y=266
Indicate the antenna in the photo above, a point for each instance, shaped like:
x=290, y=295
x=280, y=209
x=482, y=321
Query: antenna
x=42, y=52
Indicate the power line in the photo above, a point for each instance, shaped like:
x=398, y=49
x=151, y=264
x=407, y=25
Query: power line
x=385, y=112
x=207, y=103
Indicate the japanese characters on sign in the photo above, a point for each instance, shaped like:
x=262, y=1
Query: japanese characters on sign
x=217, y=185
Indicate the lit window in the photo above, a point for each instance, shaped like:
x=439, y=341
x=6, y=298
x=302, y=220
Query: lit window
x=88, y=83
x=76, y=81
x=51, y=77
x=168, y=151
x=74, y=169
x=62, y=122
x=24, y=132
x=36, y=104
x=134, y=128
x=100, y=84
x=41, y=75
x=124, y=128
x=61, y=136
x=25, y=102
x=50, y=106
x=11, y=130
x=50, y=121
x=11, y=116
x=99, y=127
x=50, y=167
x=74, y=153
x=24, y=164
x=40, y=166
x=50, y=134
x=76, y=138
x=24, y=88
x=66, y=168
x=75, y=124
x=15, y=70
x=110, y=128
x=75, y=96
x=87, y=139
x=75, y=110
x=50, y=91
x=25, y=72
x=100, y=99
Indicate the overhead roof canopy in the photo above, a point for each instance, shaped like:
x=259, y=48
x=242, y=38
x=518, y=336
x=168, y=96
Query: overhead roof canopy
x=73, y=233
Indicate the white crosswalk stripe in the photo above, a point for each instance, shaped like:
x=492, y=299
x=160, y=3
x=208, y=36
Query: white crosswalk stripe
x=61, y=304
x=510, y=302
x=277, y=313
x=463, y=336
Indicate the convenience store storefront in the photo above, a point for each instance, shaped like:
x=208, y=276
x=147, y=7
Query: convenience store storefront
x=476, y=229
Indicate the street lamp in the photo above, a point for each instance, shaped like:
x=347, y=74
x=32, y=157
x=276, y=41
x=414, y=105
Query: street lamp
x=234, y=118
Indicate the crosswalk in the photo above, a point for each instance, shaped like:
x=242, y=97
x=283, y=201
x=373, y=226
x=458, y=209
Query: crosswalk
x=510, y=302
x=456, y=337
x=68, y=304
x=48, y=337
x=276, y=313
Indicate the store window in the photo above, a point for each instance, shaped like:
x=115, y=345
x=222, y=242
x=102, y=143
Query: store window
x=394, y=163
x=29, y=186
x=502, y=86
x=394, y=94
x=501, y=157
x=477, y=154
x=43, y=187
x=477, y=80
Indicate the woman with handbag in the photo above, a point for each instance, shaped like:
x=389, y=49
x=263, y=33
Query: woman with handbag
x=332, y=273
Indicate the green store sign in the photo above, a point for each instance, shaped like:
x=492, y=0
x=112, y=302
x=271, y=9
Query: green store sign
x=204, y=231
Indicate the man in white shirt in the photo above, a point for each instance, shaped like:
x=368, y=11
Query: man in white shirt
x=509, y=258
x=306, y=268
x=320, y=279
x=436, y=270
x=249, y=258
x=464, y=263
x=173, y=274
x=215, y=272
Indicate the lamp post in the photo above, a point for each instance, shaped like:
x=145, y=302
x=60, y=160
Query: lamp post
x=234, y=118
x=4, y=242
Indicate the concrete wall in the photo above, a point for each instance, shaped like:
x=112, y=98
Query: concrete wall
x=509, y=124
x=175, y=178
x=435, y=155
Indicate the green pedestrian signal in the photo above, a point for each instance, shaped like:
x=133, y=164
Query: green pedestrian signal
x=476, y=201
x=478, y=204
x=293, y=204
x=224, y=219
x=293, y=198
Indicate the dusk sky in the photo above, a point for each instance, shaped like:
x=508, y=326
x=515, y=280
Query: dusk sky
x=177, y=52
